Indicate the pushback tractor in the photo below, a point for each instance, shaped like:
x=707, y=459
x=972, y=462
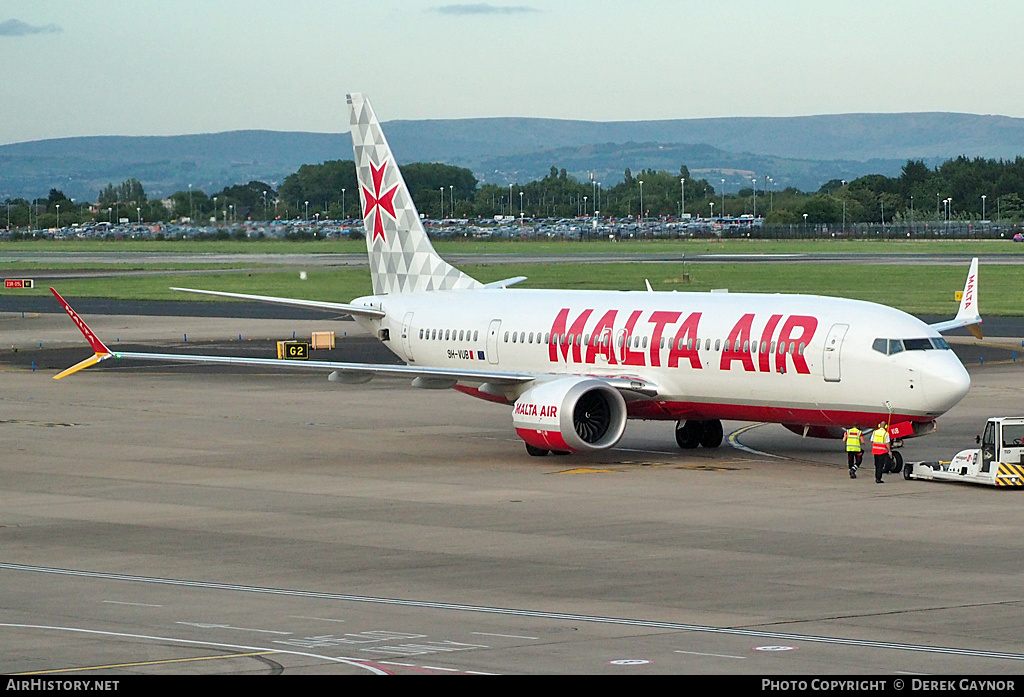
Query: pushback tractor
x=998, y=461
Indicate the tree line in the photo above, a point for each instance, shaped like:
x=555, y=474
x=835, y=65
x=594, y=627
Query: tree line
x=958, y=189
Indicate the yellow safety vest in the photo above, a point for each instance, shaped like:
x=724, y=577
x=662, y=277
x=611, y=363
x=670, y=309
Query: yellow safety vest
x=853, y=440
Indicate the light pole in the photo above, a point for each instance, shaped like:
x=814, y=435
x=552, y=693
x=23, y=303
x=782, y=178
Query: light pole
x=343, y=214
x=983, y=197
x=682, y=197
x=510, y=200
x=520, y=209
x=721, y=213
x=138, y=213
x=754, y=181
x=641, y=214
x=191, y=213
x=844, y=204
x=442, y=203
x=712, y=204
x=307, y=211
x=58, y=216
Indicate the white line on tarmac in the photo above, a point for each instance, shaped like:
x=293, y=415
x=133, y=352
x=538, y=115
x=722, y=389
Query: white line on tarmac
x=333, y=659
x=716, y=655
x=513, y=612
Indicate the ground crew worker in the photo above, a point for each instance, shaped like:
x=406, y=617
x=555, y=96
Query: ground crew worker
x=880, y=449
x=854, y=449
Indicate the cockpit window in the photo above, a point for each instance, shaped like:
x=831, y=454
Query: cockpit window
x=917, y=344
x=893, y=346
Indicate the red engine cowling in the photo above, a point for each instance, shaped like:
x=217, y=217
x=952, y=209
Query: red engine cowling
x=570, y=414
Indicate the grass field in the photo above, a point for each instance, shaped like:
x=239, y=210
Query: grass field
x=915, y=289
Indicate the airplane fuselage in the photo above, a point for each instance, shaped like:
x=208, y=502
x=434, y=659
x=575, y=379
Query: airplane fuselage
x=780, y=358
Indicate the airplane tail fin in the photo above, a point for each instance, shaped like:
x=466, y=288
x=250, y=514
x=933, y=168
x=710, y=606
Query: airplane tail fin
x=402, y=260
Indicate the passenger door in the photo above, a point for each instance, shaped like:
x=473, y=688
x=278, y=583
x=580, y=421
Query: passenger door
x=833, y=349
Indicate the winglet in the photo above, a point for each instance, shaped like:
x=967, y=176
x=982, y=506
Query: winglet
x=968, y=315
x=968, y=311
x=99, y=348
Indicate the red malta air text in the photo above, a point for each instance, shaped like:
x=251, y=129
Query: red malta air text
x=545, y=411
x=747, y=343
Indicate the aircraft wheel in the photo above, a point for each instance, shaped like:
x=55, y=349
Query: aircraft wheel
x=688, y=434
x=535, y=451
x=896, y=461
x=712, y=434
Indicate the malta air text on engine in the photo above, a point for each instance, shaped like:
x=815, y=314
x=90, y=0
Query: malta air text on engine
x=757, y=344
x=541, y=410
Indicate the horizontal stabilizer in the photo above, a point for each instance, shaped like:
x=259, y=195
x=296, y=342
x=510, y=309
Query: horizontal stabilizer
x=294, y=302
x=505, y=283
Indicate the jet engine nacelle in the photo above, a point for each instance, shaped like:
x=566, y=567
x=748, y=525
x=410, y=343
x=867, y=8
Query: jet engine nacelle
x=570, y=414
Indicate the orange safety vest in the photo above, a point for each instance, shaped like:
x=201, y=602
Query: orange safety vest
x=880, y=441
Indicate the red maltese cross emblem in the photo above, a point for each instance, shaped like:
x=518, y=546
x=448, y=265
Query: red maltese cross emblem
x=375, y=200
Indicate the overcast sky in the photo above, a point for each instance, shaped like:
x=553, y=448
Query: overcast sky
x=148, y=67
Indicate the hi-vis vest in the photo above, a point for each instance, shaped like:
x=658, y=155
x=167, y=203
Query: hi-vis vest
x=853, y=440
x=879, y=442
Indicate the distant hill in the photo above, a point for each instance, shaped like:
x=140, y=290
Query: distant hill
x=797, y=151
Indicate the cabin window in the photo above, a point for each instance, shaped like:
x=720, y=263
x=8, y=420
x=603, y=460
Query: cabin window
x=530, y=337
x=707, y=344
x=782, y=347
x=792, y=347
x=718, y=344
x=506, y=337
x=771, y=349
x=421, y=333
x=801, y=350
x=433, y=336
x=746, y=345
x=644, y=343
x=476, y=333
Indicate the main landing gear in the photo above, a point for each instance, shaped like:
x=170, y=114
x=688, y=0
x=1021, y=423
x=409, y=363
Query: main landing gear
x=690, y=434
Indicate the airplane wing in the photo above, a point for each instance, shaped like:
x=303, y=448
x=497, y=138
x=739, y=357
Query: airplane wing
x=968, y=315
x=318, y=304
x=427, y=377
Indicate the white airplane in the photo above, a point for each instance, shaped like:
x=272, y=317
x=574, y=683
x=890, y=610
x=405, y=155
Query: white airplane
x=576, y=365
